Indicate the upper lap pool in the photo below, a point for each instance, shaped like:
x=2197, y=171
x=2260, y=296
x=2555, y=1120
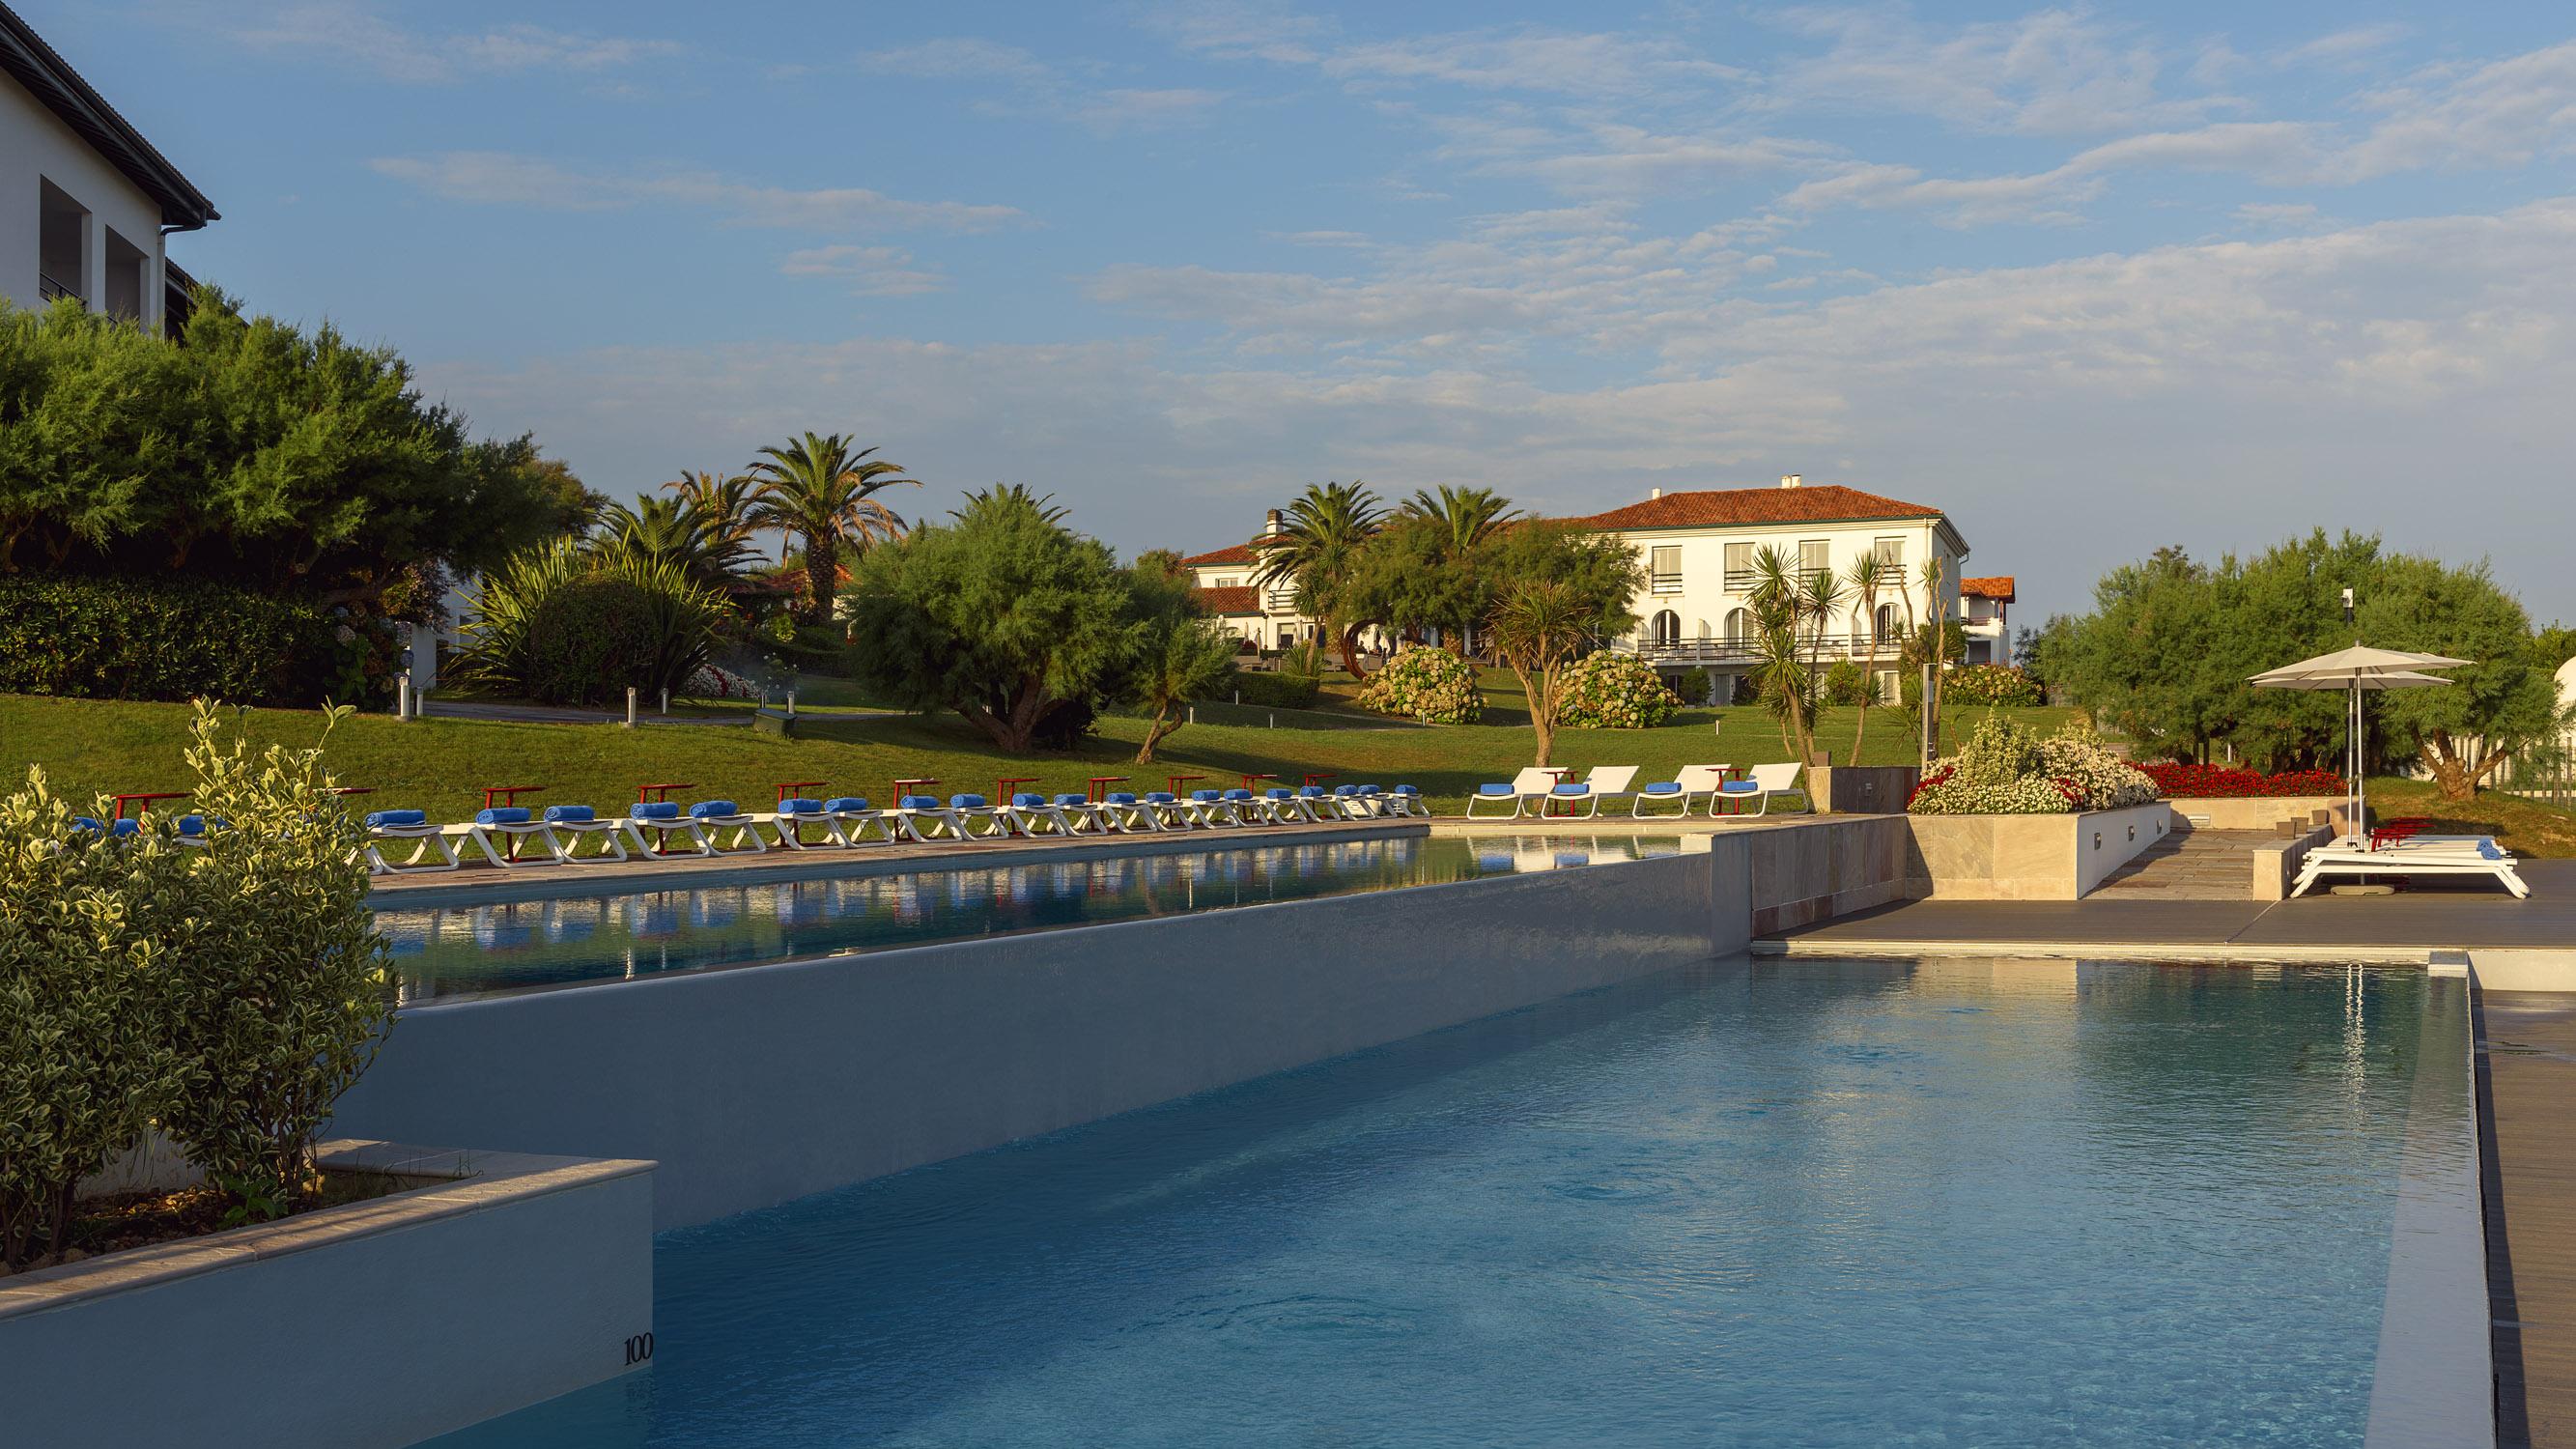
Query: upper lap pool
x=1943, y=1202
x=622, y=933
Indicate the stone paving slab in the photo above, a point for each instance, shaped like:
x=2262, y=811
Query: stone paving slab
x=2529, y=1046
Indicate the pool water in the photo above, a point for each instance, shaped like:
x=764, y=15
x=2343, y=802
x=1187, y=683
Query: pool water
x=1811, y=1203
x=453, y=950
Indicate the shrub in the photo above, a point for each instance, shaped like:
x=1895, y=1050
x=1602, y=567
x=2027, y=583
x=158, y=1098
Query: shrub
x=1432, y=685
x=559, y=626
x=282, y=1000
x=180, y=638
x=1991, y=684
x=1606, y=691
x=88, y=928
x=2219, y=782
x=1698, y=687
x=2006, y=768
x=1275, y=691
x=1846, y=683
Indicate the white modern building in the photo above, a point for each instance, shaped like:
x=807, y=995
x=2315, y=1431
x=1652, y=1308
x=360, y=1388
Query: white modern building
x=1699, y=549
x=1266, y=616
x=85, y=201
x=1985, y=606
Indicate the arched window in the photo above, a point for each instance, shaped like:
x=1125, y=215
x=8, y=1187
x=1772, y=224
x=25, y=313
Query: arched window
x=1737, y=626
x=1886, y=625
x=1665, y=630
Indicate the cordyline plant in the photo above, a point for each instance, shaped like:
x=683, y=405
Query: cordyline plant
x=90, y=929
x=283, y=1002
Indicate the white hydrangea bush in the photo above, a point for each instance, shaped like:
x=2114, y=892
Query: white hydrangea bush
x=1431, y=685
x=1607, y=691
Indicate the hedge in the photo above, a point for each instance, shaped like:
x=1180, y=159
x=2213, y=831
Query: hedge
x=2226, y=782
x=138, y=637
x=1276, y=691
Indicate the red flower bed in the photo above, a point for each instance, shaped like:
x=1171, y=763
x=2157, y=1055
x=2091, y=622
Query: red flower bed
x=2225, y=782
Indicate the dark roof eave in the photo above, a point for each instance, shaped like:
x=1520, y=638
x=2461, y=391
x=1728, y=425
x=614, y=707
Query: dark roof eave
x=51, y=80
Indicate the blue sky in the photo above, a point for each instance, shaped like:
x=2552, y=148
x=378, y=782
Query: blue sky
x=2093, y=279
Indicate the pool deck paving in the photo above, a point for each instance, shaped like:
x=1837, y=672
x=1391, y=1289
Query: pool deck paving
x=2528, y=1056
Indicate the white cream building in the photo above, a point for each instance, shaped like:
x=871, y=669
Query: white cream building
x=85, y=201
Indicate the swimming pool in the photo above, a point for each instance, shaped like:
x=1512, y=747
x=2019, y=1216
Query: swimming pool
x=1814, y=1203
x=452, y=950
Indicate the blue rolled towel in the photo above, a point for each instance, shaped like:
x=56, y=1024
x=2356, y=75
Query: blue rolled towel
x=1205, y=797
x=396, y=817
x=503, y=815
x=1660, y=787
x=1310, y=792
x=657, y=810
x=1278, y=793
x=1406, y=790
x=1026, y=801
x=966, y=802
x=1236, y=794
x=798, y=805
x=711, y=809
x=839, y=803
x=192, y=825
x=1493, y=789
x=1571, y=787
x=1121, y=797
x=1073, y=797
x=570, y=815
x=124, y=827
x=920, y=802
x=1161, y=797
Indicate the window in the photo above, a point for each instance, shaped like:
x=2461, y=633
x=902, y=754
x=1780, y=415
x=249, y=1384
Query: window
x=1815, y=556
x=1225, y=583
x=1664, y=569
x=1889, y=691
x=1739, y=567
x=1890, y=551
x=1886, y=624
x=62, y=245
x=1665, y=630
x=1736, y=626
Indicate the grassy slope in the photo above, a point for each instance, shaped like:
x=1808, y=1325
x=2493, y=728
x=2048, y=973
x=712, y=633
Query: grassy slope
x=90, y=745
x=2525, y=827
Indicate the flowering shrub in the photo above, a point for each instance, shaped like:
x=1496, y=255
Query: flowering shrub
x=2006, y=768
x=1991, y=684
x=1431, y=685
x=1607, y=691
x=711, y=682
x=2226, y=782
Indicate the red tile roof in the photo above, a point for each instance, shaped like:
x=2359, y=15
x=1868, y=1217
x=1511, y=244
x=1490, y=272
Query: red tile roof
x=1240, y=553
x=1812, y=503
x=1998, y=588
x=1238, y=599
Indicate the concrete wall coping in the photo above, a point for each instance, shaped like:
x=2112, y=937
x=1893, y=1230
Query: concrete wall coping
x=477, y=1181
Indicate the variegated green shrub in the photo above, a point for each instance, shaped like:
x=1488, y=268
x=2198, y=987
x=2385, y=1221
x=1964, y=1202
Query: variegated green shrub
x=89, y=927
x=1431, y=685
x=2006, y=768
x=1606, y=691
x=283, y=1000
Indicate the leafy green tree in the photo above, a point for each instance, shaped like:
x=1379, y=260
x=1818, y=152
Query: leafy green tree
x=1318, y=551
x=1411, y=578
x=1181, y=653
x=1560, y=594
x=1002, y=614
x=818, y=490
x=2502, y=699
x=250, y=452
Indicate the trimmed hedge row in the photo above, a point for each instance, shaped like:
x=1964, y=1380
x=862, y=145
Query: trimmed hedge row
x=1275, y=691
x=140, y=637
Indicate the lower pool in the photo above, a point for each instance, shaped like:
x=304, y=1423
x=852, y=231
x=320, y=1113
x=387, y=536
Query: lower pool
x=1813, y=1203
x=583, y=938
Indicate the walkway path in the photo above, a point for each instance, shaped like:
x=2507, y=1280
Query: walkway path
x=2530, y=1061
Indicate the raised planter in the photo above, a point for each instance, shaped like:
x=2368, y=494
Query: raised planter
x=2258, y=812
x=2027, y=857
x=504, y=1281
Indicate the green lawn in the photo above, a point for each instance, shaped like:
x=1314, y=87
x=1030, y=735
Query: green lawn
x=2525, y=827
x=87, y=746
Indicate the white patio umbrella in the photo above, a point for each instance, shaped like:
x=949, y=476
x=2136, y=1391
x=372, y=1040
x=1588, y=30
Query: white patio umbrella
x=2357, y=671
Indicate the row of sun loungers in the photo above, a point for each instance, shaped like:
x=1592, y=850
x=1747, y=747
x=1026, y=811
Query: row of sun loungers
x=1546, y=794
x=2354, y=858
x=516, y=835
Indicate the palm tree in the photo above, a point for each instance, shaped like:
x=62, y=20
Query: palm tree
x=1316, y=549
x=817, y=490
x=1936, y=648
x=1820, y=597
x=1467, y=519
x=1539, y=628
x=1784, y=675
x=1869, y=574
x=722, y=500
x=670, y=531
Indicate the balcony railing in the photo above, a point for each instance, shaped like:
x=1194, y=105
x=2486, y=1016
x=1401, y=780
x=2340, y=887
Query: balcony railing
x=1745, y=651
x=47, y=289
x=1663, y=583
x=1740, y=581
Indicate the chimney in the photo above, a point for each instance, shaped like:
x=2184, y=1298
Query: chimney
x=1792, y=480
x=1273, y=526
x=1654, y=493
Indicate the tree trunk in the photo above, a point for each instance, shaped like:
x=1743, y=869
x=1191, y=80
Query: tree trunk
x=2450, y=772
x=1154, y=734
x=1350, y=641
x=822, y=577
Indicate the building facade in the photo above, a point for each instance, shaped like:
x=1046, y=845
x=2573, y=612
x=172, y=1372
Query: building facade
x=1985, y=605
x=1267, y=617
x=85, y=201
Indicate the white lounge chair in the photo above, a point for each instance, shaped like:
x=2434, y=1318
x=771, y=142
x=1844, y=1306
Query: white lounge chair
x=927, y=819
x=1321, y=804
x=661, y=819
x=851, y=816
x=1767, y=782
x=1406, y=800
x=1689, y=785
x=1168, y=813
x=1530, y=784
x=1033, y=814
x=1082, y=814
x=386, y=826
x=516, y=825
x=1286, y=806
x=1213, y=808
x=2478, y=856
x=1606, y=782
x=978, y=819
x=577, y=821
x=1124, y=811
x=790, y=819
x=712, y=816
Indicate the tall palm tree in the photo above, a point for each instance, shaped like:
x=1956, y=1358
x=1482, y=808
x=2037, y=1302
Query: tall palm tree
x=722, y=500
x=1317, y=548
x=1820, y=597
x=816, y=490
x=670, y=531
x=1466, y=520
x=1936, y=648
x=1783, y=675
x=1869, y=575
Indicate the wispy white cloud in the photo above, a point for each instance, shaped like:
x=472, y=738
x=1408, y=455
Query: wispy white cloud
x=1113, y=111
x=507, y=179
x=1530, y=59
x=1058, y=90
x=2345, y=47
x=957, y=58
x=367, y=37
x=868, y=271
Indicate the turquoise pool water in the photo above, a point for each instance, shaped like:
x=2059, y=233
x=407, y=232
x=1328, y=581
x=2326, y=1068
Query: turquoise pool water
x=1814, y=1203
x=442, y=951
